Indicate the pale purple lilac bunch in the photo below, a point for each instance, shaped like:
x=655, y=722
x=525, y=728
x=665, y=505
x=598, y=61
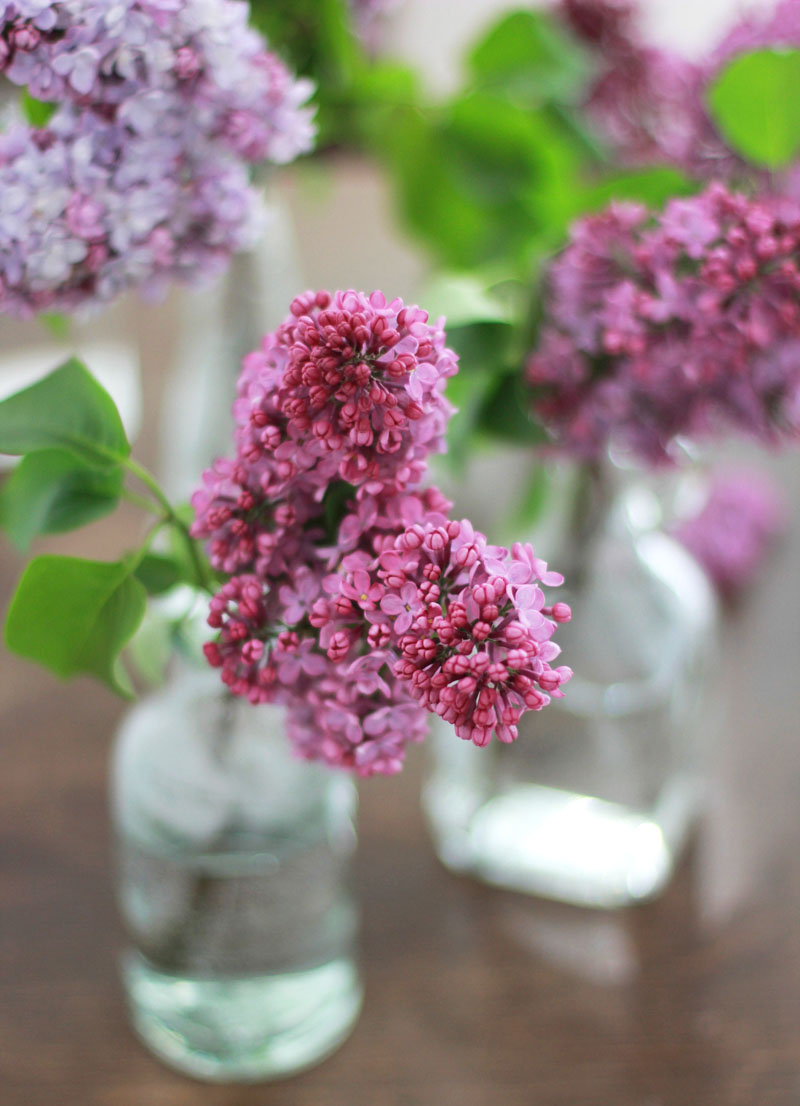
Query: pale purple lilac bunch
x=141, y=176
x=351, y=597
x=367, y=16
x=682, y=323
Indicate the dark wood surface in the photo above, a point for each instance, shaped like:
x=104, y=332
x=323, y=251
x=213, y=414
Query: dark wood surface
x=474, y=997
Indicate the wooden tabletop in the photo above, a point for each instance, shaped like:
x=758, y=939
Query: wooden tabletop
x=474, y=997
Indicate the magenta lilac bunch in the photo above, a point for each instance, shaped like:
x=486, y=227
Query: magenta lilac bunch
x=733, y=533
x=351, y=596
x=643, y=100
x=650, y=105
x=685, y=322
x=141, y=175
x=470, y=625
x=349, y=386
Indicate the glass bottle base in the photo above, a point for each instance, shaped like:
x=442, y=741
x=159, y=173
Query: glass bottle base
x=560, y=844
x=246, y=1030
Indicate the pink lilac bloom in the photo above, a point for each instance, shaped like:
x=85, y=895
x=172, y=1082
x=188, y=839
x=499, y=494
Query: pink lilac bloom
x=685, y=322
x=367, y=17
x=734, y=531
x=350, y=386
x=474, y=647
x=340, y=566
x=141, y=176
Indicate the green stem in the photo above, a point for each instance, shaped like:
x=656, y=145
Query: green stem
x=137, y=500
x=202, y=576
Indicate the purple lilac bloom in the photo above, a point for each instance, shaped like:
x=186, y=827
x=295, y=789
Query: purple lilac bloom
x=733, y=532
x=474, y=648
x=348, y=393
x=685, y=322
x=650, y=103
x=644, y=101
x=367, y=15
x=141, y=175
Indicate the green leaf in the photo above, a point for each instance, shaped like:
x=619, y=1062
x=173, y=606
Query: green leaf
x=316, y=38
x=506, y=413
x=463, y=299
x=484, y=181
x=335, y=505
x=58, y=325
x=754, y=103
x=483, y=355
x=652, y=186
x=467, y=391
x=527, y=56
x=159, y=572
x=52, y=491
x=36, y=112
x=75, y=616
x=151, y=648
x=481, y=346
x=376, y=93
x=67, y=410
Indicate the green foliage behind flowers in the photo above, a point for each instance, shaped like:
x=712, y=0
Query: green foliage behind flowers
x=70, y=614
x=755, y=105
x=317, y=39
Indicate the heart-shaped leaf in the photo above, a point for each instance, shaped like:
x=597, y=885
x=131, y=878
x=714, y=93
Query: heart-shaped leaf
x=159, y=572
x=67, y=410
x=52, y=491
x=527, y=55
x=754, y=103
x=75, y=616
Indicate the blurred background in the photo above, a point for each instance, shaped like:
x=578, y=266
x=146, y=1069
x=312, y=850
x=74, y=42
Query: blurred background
x=474, y=996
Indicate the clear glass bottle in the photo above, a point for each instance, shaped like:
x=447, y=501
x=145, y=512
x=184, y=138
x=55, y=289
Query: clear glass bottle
x=217, y=326
x=594, y=801
x=233, y=878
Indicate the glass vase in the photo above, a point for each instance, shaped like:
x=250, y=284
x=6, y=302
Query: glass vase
x=233, y=876
x=217, y=326
x=594, y=801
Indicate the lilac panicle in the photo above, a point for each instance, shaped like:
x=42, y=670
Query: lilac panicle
x=685, y=322
x=141, y=177
x=348, y=394
x=735, y=529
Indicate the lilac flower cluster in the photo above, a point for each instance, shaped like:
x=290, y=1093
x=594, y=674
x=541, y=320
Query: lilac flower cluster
x=351, y=597
x=141, y=175
x=471, y=625
x=367, y=15
x=731, y=535
x=644, y=101
x=650, y=103
x=681, y=323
